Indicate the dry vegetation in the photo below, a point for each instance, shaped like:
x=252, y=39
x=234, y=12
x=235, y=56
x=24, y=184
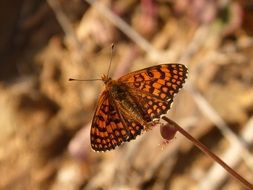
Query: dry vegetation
x=45, y=119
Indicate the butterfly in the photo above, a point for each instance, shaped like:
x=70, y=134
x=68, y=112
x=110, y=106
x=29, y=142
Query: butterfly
x=133, y=103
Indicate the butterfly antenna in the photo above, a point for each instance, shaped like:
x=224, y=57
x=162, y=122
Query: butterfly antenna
x=71, y=79
x=112, y=48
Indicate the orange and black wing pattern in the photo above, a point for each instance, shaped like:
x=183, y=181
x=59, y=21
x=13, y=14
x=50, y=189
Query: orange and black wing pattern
x=151, y=92
x=109, y=127
x=154, y=87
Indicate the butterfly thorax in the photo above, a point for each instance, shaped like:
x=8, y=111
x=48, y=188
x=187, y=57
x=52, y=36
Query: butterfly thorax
x=119, y=93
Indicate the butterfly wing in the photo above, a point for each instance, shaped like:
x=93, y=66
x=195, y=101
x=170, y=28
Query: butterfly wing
x=154, y=87
x=109, y=127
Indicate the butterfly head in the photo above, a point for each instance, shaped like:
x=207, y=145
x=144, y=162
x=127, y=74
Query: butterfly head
x=106, y=79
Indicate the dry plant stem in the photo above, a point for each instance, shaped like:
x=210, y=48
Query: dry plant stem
x=196, y=43
x=204, y=149
x=215, y=176
x=210, y=113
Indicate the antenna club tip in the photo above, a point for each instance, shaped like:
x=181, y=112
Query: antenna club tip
x=70, y=79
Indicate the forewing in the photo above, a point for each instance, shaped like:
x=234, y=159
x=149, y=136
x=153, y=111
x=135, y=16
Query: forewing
x=155, y=87
x=162, y=81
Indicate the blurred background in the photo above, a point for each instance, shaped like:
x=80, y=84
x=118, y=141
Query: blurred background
x=45, y=119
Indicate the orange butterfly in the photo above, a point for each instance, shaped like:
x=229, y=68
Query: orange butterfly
x=133, y=103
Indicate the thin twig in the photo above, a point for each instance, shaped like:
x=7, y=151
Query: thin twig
x=204, y=149
x=196, y=43
x=209, y=112
x=215, y=176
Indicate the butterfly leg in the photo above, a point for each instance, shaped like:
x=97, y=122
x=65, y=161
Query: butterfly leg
x=149, y=126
